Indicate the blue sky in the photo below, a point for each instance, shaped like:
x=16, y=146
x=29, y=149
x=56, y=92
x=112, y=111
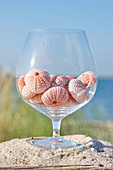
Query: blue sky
x=17, y=17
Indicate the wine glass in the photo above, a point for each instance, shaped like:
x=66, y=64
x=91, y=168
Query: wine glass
x=56, y=75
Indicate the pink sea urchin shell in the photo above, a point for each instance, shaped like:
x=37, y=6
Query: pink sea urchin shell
x=88, y=78
x=77, y=90
x=27, y=93
x=55, y=96
x=21, y=83
x=60, y=81
x=37, y=80
x=36, y=99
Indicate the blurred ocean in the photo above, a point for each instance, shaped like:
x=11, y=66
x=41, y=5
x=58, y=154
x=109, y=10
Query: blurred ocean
x=101, y=106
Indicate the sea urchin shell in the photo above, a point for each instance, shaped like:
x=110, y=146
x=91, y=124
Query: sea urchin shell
x=55, y=96
x=88, y=78
x=36, y=99
x=27, y=93
x=60, y=81
x=37, y=80
x=77, y=90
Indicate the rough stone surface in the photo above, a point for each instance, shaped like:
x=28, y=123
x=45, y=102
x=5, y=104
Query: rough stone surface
x=93, y=153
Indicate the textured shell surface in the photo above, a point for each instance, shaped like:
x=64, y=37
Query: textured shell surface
x=75, y=85
x=37, y=80
x=91, y=73
x=75, y=89
x=52, y=78
x=27, y=93
x=60, y=81
x=88, y=78
x=92, y=78
x=81, y=96
x=84, y=79
x=55, y=96
x=36, y=99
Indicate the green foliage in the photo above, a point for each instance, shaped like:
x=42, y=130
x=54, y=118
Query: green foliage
x=19, y=120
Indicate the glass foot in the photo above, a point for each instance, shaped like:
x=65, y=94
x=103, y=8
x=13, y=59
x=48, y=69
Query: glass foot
x=56, y=143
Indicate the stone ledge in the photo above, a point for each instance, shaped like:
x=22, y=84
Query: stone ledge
x=19, y=153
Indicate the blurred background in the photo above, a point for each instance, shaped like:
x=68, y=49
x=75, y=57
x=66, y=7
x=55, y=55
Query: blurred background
x=17, y=119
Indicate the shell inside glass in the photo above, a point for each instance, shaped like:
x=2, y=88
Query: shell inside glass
x=65, y=56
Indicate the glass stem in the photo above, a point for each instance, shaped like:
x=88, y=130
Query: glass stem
x=56, y=122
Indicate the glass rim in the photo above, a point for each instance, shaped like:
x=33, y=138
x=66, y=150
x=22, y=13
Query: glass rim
x=56, y=30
